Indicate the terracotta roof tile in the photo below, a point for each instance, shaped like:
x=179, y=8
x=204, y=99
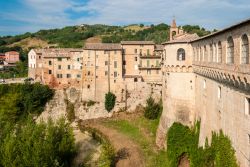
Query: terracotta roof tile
x=102, y=46
x=137, y=42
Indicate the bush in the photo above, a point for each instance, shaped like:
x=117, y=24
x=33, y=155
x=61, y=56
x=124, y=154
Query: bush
x=183, y=140
x=109, y=101
x=152, y=110
x=70, y=111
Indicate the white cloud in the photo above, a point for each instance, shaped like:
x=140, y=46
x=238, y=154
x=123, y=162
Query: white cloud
x=208, y=13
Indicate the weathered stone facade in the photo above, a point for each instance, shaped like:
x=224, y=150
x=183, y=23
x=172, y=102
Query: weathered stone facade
x=211, y=84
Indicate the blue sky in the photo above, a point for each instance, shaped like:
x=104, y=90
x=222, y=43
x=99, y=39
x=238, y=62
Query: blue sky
x=20, y=16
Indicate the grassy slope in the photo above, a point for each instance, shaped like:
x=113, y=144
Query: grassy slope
x=143, y=132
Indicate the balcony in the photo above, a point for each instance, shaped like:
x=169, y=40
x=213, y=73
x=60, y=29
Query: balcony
x=152, y=67
x=148, y=56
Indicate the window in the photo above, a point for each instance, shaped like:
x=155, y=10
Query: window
x=68, y=67
x=68, y=75
x=59, y=75
x=219, y=52
x=106, y=73
x=205, y=53
x=124, y=62
x=215, y=53
x=230, y=50
x=78, y=75
x=50, y=71
x=50, y=62
x=247, y=106
x=140, y=62
x=204, y=84
x=211, y=53
x=135, y=80
x=115, y=64
x=78, y=59
x=135, y=51
x=39, y=57
x=115, y=74
x=59, y=67
x=106, y=63
x=88, y=86
x=148, y=72
x=219, y=92
x=88, y=73
x=135, y=58
x=244, y=50
x=59, y=59
x=147, y=51
x=180, y=54
x=148, y=63
x=157, y=63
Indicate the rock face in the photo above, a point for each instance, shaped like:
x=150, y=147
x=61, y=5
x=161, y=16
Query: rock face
x=57, y=107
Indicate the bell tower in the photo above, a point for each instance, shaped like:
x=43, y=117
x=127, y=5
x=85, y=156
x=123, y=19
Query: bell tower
x=175, y=31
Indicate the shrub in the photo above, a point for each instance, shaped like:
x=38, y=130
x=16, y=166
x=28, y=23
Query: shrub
x=109, y=101
x=183, y=140
x=152, y=110
x=70, y=110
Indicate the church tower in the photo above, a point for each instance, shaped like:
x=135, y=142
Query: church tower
x=175, y=31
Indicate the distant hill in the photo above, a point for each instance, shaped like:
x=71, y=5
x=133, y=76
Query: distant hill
x=76, y=36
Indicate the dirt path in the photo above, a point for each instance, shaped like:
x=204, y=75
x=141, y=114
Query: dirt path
x=127, y=151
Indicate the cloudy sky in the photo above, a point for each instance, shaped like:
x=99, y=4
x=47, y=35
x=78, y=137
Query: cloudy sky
x=20, y=16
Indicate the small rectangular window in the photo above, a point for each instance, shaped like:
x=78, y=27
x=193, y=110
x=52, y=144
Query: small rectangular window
x=106, y=63
x=135, y=51
x=88, y=86
x=115, y=74
x=59, y=67
x=59, y=59
x=147, y=51
x=78, y=75
x=50, y=71
x=68, y=75
x=135, y=58
x=88, y=73
x=247, y=106
x=124, y=62
x=219, y=92
x=135, y=79
x=68, y=67
x=50, y=62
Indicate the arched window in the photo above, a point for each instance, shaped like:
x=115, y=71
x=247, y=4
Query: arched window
x=230, y=50
x=219, y=52
x=244, y=50
x=205, y=53
x=180, y=54
x=201, y=56
x=215, y=53
x=211, y=53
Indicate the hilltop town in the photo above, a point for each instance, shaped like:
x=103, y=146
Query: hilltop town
x=202, y=79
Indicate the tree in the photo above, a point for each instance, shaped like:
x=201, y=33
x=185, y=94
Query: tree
x=109, y=101
x=152, y=110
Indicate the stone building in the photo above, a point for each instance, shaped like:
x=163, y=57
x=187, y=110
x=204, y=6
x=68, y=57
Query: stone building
x=12, y=57
x=56, y=67
x=98, y=67
x=208, y=79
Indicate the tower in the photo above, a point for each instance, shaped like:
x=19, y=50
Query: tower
x=175, y=31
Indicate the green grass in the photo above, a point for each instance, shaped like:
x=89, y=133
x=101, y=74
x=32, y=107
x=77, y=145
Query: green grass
x=142, y=131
